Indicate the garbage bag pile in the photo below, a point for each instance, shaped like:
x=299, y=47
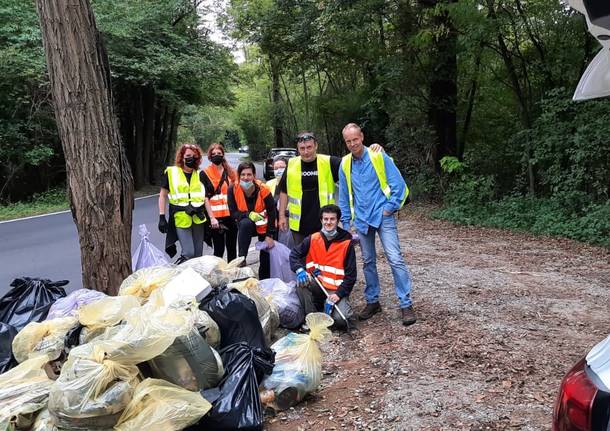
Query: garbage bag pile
x=181, y=347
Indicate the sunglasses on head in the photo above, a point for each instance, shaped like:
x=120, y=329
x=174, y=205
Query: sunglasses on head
x=306, y=138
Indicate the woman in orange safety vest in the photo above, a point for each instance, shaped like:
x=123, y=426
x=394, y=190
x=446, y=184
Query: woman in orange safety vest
x=253, y=209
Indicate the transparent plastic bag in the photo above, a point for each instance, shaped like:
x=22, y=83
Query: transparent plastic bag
x=147, y=254
x=218, y=272
x=159, y=405
x=68, y=306
x=298, y=360
x=97, y=381
x=183, y=287
x=207, y=327
x=44, y=422
x=285, y=298
x=146, y=280
x=106, y=312
x=279, y=261
x=24, y=391
x=44, y=338
x=267, y=312
x=189, y=362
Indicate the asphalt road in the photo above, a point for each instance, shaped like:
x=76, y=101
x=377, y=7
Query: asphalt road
x=47, y=246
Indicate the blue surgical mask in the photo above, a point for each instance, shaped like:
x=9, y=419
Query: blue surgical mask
x=245, y=184
x=329, y=233
x=279, y=172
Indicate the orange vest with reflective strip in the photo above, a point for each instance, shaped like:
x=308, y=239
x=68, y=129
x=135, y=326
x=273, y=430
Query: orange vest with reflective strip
x=219, y=202
x=330, y=262
x=259, y=206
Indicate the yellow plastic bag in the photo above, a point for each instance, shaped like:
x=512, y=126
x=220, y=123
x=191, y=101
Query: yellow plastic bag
x=106, y=312
x=146, y=280
x=42, y=338
x=298, y=360
x=217, y=271
x=24, y=391
x=162, y=406
x=267, y=312
x=97, y=381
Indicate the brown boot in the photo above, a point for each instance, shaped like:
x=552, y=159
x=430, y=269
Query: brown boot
x=369, y=311
x=408, y=316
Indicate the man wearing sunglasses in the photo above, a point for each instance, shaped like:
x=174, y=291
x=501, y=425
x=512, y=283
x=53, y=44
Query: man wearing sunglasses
x=307, y=185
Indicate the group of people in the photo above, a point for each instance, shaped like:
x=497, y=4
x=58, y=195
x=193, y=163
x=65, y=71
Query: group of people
x=303, y=200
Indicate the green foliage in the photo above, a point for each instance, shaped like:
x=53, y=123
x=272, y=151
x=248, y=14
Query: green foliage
x=450, y=165
x=39, y=203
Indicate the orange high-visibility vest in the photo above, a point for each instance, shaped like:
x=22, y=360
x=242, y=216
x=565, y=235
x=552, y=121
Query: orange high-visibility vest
x=218, y=202
x=330, y=262
x=259, y=206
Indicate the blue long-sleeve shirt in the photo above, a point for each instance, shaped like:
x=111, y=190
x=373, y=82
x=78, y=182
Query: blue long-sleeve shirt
x=369, y=200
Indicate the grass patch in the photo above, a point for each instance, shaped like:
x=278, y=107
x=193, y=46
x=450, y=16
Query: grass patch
x=40, y=203
x=565, y=216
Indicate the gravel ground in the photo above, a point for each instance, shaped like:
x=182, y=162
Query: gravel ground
x=501, y=317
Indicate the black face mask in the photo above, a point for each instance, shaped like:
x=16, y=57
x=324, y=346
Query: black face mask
x=217, y=159
x=190, y=162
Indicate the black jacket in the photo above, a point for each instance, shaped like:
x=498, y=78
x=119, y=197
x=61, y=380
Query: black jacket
x=299, y=254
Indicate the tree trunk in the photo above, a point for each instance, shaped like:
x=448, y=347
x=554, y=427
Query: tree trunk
x=148, y=106
x=278, y=132
x=138, y=121
x=99, y=178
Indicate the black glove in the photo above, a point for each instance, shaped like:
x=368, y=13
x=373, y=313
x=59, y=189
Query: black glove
x=162, y=223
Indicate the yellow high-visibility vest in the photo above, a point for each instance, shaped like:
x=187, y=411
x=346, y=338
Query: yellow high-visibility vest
x=182, y=193
x=379, y=166
x=294, y=187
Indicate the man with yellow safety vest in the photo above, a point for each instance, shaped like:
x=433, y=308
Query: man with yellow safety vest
x=371, y=191
x=252, y=207
x=328, y=255
x=183, y=188
x=307, y=184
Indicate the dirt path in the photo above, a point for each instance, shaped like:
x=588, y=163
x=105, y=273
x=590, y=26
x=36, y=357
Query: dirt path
x=502, y=316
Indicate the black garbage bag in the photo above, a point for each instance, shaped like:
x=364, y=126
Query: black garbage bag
x=236, y=317
x=236, y=403
x=7, y=360
x=29, y=300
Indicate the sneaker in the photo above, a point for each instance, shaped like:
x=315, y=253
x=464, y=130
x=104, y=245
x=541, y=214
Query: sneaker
x=369, y=311
x=408, y=316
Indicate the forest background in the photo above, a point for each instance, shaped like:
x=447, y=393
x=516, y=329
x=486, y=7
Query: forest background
x=472, y=99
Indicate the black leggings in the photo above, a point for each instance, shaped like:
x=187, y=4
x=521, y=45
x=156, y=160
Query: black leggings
x=246, y=230
x=220, y=237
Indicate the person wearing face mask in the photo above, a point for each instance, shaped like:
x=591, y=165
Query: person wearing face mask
x=330, y=254
x=252, y=207
x=217, y=178
x=181, y=185
x=279, y=166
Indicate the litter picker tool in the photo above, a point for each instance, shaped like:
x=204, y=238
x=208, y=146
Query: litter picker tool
x=347, y=325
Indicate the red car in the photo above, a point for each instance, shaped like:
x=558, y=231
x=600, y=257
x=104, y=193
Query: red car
x=583, y=403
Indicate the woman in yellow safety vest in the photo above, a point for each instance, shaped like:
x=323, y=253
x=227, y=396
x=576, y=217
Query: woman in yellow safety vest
x=217, y=177
x=183, y=188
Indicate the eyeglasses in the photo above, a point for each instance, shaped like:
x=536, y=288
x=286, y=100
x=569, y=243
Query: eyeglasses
x=306, y=138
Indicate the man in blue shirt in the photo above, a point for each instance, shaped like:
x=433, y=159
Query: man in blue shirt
x=371, y=190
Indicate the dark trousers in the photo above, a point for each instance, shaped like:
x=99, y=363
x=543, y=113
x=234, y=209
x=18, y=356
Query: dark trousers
x=221, y=237
x=246, y=230
x=312, y=300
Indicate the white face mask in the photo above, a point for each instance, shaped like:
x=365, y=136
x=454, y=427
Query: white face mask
x=279, y=172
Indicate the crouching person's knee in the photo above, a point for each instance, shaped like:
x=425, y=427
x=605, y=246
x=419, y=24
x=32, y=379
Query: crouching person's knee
x=346, y=309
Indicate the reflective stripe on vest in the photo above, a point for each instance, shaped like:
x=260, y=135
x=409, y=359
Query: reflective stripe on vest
x=182, y=193
x=294, y=187
x=379, y=166
x=219, y=202
x=330, y=262
x=259, y=206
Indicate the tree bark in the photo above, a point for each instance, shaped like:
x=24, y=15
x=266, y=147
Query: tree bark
x=99, y=178
x=278, y=132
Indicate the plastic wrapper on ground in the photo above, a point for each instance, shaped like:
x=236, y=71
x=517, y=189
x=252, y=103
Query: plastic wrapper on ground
x=236, y=404
x=236, y=316
x=68, y=306
x=146, y=280
x=267, y=312
x=147, y=254
x=29, y=300
x=298, y=362
x=98, y=380
x=106, y=312
x=159, y=405
x=217, y=271
x=43, y=338
x=286, y=300
x=7, y=360
x=189, y=362
x=24, y=391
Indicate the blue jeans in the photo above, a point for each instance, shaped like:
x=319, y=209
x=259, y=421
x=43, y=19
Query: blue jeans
x=388, y=234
